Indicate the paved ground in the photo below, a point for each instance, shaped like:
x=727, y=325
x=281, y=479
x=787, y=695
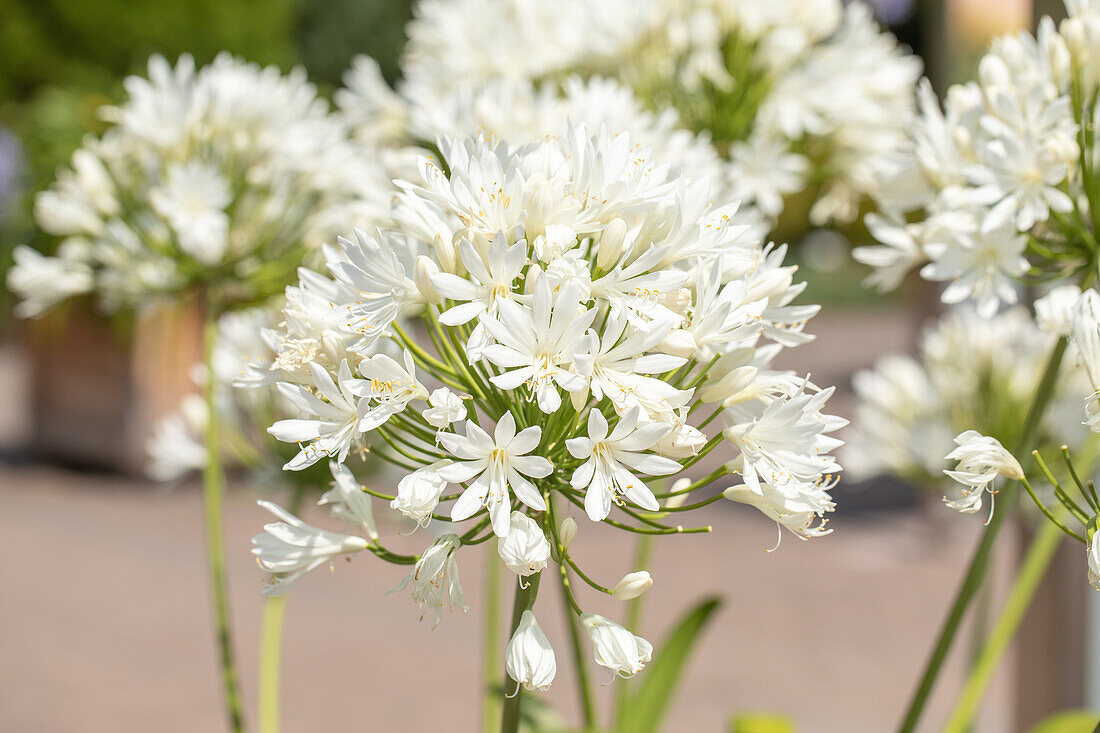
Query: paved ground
x=105, y=612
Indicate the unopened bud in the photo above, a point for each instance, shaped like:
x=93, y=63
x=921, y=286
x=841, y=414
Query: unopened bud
x=423, y=270
x=632, y=585
x=611, y=244
x=445, y=254
x=567, y=532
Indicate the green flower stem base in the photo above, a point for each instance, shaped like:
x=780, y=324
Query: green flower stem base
x=525, y=599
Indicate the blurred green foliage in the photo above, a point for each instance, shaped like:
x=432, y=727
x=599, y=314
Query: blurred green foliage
x=331, y=32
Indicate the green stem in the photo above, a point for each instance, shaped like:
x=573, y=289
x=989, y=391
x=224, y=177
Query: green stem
x=525, y=598
x=979, y=563
x=584, y=689
x=271, y=645
x=491, y=711
x=271, y=648
x=213, y=485
x=1034, y=567
x=642, y=553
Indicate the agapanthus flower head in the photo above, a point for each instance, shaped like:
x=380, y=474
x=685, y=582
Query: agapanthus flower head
x=788, y=91
x=995, y=188
x=222, y=177
x=555, y=327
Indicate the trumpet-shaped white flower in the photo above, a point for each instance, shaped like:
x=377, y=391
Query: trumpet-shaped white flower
x=979, y=265
x=981, y=459
x=499, y=463
x=1055, y=311
x=335, y=420
x=525, y=551
x=418, y=493
x=290, y=548
x=537, y=344
x=42, y=282
x=445, y=407
x=529, y=658
x=347, y=500
x=389, y=386
x=435, y=578
x=614, y=647
x=608, y=460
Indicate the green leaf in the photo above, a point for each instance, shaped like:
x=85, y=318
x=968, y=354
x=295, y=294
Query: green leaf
x=761, y=723
x=1068, y=721
x=648, y=705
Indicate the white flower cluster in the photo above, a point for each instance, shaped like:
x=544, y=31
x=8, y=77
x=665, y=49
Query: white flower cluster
x=1004, y=170
x=223, y=177
x=970, y=373
x=788, y=90
x=546, y=327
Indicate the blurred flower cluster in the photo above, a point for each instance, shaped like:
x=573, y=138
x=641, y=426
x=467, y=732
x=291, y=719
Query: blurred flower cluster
x=767, y=99
x=1000, y=183
x=222, y=178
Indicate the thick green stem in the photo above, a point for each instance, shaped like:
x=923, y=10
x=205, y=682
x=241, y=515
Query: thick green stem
x=525, y=598
x=271, y=651
x=979, y=563
x=492, y=680
x=213, y=485
x=1034, y=567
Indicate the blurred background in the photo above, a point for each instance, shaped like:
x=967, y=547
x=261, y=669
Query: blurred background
x=105, y=616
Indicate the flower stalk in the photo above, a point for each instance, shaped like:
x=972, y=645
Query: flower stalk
x=979, y=563
x=213, y=486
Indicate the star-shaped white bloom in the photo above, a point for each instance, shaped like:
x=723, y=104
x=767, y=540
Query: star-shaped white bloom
x=537, y=344
x=445, y=408
x=373, y=268
x=500, y=463
x=980, y=266
x=388, y=386
x=607, y=460
x=347, y=500
x=488, y=282
x=435, y=578
x=334, y=421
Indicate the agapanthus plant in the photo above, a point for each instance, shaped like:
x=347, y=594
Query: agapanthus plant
x=797, y=96
x=997, y=189
x=545, y=330
x=212, y=185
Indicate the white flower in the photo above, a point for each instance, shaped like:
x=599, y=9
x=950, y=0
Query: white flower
x=529, y=658
x=607, y=459
x=445, y=408
x=1086, y=334
x=1093, y=553
x=435, y=578
x=632, y=585
x=335, y=422
x=193, y=200
x=1055, y=310
x=567, y=532
x=290, y=548
x=389, y=386
x=176, y=446
x=42, y=282
x=372, y=267
x=979, y=265
x=981, y=460
x=614, y=647
x=525, y=550
x=348, y=501
x=537, y=344
x=500, y=463
x=418, y=493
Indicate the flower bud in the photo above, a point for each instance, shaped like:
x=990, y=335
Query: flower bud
x=529, y=657
x=611, y=244
x=525, y=550
x=632, y=585
x=567, y=532
x=615, y=647
x=1073, y=31
x=418, y=494
x=678, y=500
x=445, y=254
x=423, y=270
